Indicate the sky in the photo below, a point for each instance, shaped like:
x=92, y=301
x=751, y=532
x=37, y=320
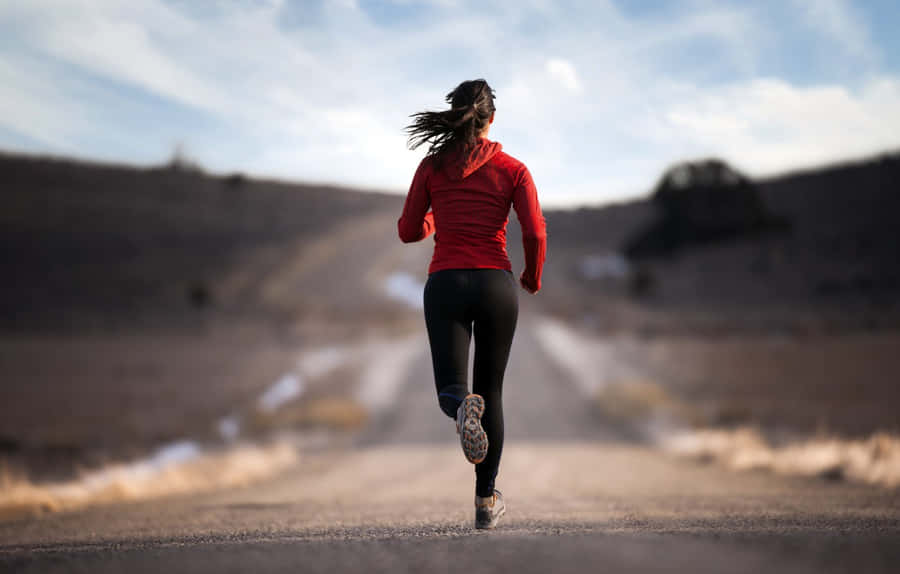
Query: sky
x=597, y=98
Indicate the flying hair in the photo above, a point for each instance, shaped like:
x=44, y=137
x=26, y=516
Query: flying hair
x=471, y=108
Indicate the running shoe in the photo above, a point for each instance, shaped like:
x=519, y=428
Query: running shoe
x=468, y=425
x=488, y=510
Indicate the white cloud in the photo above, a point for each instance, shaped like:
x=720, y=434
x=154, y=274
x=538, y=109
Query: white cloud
x=769, y=125
x=563, y=72
x=29, y=108
x=596, y=101
x=116, y=41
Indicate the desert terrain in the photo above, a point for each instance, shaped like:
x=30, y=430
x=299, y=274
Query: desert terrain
x=196, y=364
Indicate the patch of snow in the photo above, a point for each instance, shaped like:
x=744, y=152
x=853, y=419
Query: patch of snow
x=606, y=266
x=285, y=389
x=174, y=453
x=229, y=427
x=320, y=361
x=167, y=456
x=178, y=467
x=403, y=287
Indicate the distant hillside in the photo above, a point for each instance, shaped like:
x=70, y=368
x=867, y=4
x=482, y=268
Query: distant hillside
x=838, y=261
x=87, y=244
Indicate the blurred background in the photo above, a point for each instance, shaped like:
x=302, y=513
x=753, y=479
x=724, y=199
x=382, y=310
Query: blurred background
x=201, y=274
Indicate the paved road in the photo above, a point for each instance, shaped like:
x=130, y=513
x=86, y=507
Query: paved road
x=581, y=497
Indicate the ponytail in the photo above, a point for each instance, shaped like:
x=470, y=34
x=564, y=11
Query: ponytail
x=471, y=108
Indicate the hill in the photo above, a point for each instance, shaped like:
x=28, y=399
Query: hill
x=833, y=264
x=98, y=245
x=141, y=306
x=108, y=246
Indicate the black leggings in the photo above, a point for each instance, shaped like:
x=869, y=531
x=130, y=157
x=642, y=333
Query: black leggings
x=458, y=302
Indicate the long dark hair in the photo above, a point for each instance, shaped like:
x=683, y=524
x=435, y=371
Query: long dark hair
x=471, y=108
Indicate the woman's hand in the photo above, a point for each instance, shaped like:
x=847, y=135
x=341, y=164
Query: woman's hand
x=529, y=284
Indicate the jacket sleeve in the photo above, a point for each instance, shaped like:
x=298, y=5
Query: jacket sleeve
x=416, y=223
x=534, y=229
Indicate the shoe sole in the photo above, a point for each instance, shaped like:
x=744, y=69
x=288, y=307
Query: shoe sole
x=472, y=437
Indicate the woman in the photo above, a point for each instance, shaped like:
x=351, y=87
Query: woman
x=469, y=184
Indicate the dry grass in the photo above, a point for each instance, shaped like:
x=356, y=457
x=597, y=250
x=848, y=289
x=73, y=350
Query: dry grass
x=632, y=400
x=641, y=403
x=875, y=460
x=332, y=413
x=121, y=482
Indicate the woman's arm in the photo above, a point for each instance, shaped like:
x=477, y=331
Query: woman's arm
x=534, y=230
x=416, y=223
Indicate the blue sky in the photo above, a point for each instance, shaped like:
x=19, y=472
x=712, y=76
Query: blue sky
x=596, y=97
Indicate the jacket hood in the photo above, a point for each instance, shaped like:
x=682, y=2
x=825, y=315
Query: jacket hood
x=465, y=166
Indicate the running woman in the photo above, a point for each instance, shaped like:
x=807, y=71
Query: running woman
x=462, y=192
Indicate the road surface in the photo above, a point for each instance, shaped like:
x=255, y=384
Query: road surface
x=581, y=496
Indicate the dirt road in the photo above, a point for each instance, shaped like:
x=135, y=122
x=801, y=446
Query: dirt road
x=398, y=498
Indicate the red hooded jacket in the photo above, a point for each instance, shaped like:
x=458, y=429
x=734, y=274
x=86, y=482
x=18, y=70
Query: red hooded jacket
x=470, y=199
